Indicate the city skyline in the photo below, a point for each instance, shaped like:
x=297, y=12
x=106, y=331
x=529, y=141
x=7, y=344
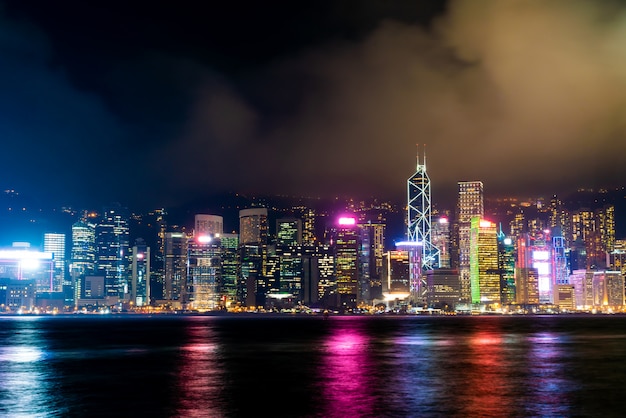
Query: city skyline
x=155, y=106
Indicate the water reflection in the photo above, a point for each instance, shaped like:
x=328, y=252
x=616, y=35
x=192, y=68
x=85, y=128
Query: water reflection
x=25, y=379
x=200, y=377
x=487, y=389
x=547, y=380
x=346, y=371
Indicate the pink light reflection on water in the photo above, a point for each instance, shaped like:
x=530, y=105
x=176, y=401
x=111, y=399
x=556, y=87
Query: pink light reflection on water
x=345, y=372
x=200, y=377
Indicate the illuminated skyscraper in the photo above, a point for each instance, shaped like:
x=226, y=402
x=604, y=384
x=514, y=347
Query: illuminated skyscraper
x=288, y=232
x=230, y=268
x=208, y=225
x=484, y=269
x=55, y=244
x=253, y=226
x=140, y=274
x=506, y=265
x=582, y=280
x=441, y=239
x=371, y=250
x=253, y=234
x=419, y=215
x=204, y=267
x=175, y=267
x=346, y=244
x=608, y=290
x=537, y=252
x=83, y=256
x=470, y=205
x=112, y=242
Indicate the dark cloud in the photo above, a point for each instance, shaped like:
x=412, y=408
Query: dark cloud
x=56, y=139
x=528, y=96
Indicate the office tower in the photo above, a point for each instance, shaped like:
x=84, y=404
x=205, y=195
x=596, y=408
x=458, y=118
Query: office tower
x=346, y=243
x=203, y=273
x=175, y=269
x=560, y=266
x=288, y=232
x=156, y=220
x=211, y=225
x=253, y=226
x=506, y=265
x=582, y=280
x=396, y=279
x=229, y=244
x=308, y=227
x=484, y=269
x=140, y=274
x=470, y=205
x=372, y=248
x=112, y=243
x=608, y=290
x=83, y=255
x=538, y=252
x=618, y=256
x=560, y=218
x=606, y=228
x=253, y=234
x=441, y=240
x=94, y=287
x=526, y=286
x=567, y=298
x=322, y=276
x=419, y=215
x=55, y=244
x=443, y=288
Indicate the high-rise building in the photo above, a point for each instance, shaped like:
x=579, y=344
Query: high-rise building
x=229, y=244
x=253, y=235
x=441, y=239
x=83, y=255
x=55, y=244
x=396, y=274
x=419, y=215
x=371, y=250
x=346, y=244
x=112, y=244
x=140, y=274
x=608, y=289
x=537, y=252
x=582, y=280
x=204, y=268
x=211, y=225
x=443, y=288
x=288, y=232
x=253, y=226
x=175, y=270
x=484, y=269
x=470, y=205
x=506, y=265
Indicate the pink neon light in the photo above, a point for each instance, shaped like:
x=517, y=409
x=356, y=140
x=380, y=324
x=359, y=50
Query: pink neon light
x=345, y=220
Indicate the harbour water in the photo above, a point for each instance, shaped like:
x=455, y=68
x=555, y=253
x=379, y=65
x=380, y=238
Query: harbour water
x=301, y=366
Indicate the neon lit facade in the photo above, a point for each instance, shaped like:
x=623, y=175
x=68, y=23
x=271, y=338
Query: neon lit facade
x=470, y=205
x=346, y=261
x=419, y=215
x=484, y=269
x=55, y=244
x=203, y=274
x=112, y=245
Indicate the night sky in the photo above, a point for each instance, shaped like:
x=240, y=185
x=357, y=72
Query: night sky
x=158, y=103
